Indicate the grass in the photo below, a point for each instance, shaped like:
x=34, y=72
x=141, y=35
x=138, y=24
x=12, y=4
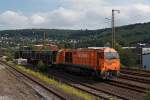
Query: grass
x=57, y=84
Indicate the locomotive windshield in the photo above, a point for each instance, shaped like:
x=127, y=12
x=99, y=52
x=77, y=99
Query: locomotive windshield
x=111, y=55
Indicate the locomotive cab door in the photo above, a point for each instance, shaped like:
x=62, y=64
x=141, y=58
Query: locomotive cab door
x=68, y=57
x=100, y=58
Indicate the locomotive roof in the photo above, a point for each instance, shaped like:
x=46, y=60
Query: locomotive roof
x=97, y=47
x=101, y=49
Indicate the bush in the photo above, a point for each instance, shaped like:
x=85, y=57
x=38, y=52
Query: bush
x=41, y=66
x=128, y=57
x=147, y=96
x=9, y=59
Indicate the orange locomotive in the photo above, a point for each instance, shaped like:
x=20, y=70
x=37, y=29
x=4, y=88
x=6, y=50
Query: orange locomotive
x=103, y=62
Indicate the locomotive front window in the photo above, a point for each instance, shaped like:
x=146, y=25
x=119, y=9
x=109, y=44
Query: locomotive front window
x=111, y=55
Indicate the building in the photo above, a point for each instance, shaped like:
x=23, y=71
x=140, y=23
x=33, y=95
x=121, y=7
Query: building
x=146, y=58
x=142, y=54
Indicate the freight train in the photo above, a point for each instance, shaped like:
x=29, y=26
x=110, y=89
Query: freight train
x=102, y=62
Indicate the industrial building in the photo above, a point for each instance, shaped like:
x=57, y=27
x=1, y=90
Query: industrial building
x=143, y=55
x=146, y=58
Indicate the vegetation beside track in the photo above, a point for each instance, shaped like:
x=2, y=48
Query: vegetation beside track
x=147, y=96
x=58, y=84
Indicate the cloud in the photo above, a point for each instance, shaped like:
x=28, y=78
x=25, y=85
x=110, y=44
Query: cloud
x=135, y=13
x=37, y=19
x=78, y=14
x=13, y=19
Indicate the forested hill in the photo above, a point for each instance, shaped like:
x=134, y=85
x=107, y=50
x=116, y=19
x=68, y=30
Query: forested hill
x=125, y=35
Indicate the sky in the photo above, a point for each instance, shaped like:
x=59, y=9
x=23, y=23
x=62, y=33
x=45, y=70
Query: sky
x=71, y=14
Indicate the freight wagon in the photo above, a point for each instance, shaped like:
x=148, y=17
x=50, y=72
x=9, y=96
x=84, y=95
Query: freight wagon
x=33, y=57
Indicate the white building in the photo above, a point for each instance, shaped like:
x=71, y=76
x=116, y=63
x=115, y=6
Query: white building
x=146, y=58
x=21, y=61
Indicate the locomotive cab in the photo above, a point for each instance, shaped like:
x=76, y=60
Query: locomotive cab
x=110, y=65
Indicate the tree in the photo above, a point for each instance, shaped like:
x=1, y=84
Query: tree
x=127, y=57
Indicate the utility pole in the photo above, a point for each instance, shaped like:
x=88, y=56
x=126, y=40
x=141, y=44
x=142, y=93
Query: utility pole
x=44, y=43
x=113, y=27
x=32, y=38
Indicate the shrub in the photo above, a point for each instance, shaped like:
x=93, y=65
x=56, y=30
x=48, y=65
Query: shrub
x=147, y=96
x=127, y=56
x=9, y=59
x=41, y=66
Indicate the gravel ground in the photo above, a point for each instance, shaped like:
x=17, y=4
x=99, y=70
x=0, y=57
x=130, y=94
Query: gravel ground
x=13, y=89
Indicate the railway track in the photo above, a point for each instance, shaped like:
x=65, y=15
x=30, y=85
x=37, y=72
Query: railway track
x=141, y=79
x=83, y=87
x=127, y=85
x=136, y=75
x=110, y=86
x=136, y=72
x=43, y=85
x=42, y=94
x=95, y=89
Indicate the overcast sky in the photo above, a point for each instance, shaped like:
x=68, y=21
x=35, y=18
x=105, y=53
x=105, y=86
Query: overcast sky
x=71, y=14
